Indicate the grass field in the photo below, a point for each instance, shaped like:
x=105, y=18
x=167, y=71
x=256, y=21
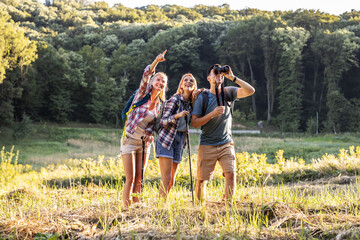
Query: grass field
x=65, y=182
x=81, y=199
x=50, y=144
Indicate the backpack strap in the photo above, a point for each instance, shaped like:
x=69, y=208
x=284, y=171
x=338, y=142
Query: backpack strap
x=138, y=103
x=205, y=100
x=227, y=100
x=225, y=97
x=133, y=106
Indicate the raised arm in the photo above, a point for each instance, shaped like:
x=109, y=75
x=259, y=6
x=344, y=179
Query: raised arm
x=245, y=90
x=149, y=70
x=159, y=58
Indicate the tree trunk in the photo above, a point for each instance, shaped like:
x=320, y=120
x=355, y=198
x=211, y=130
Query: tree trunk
x=253, y=84
x=315, y=82
x=268, y=100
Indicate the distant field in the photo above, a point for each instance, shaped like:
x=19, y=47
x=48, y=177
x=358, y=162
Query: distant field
x=49, y=144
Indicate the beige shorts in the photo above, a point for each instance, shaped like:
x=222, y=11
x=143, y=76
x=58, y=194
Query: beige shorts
x=208, y=155
x=131, y=145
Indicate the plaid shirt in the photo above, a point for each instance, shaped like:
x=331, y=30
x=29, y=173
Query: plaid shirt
x=138, y=114
x=168, y=123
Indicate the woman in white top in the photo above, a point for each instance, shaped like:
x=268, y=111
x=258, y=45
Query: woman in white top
x=139, y=127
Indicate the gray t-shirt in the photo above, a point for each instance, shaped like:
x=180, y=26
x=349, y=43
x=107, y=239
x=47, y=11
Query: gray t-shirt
x=218, y=130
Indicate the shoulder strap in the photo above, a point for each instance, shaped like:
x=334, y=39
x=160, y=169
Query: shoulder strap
x=142, y=101
x=227, y=100
x=205, y=100
x=177, y=103
x=130, y=106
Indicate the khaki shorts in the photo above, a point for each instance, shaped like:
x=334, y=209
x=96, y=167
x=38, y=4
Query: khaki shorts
x=208, y=155
x=131, y=145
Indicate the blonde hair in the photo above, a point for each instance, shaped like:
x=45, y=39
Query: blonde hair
x=181, y=91
x=162, y=94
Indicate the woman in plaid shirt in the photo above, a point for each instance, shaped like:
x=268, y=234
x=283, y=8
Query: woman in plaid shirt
x=139, y=124
x=172, y=131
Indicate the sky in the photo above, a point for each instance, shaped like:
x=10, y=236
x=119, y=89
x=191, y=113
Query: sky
x=330, y=6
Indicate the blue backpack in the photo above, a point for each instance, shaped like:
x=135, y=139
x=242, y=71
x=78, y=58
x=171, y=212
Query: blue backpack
x=128, y=108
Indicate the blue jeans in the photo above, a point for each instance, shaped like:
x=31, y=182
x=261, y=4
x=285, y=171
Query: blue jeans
x=176, y=148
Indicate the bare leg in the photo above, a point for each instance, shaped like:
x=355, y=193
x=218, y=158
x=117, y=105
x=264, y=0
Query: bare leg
x=173, y=175
x=230, y=185
x=165, y=170
x=200, y=190
x=129, y=169
x=138, y=170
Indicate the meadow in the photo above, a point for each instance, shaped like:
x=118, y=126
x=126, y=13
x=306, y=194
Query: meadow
x=50, y=194
x=52, y=143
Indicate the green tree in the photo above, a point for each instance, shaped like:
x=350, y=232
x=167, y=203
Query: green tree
x=271, y=60
x=183, y=56
x=109, y=43
x=291, y=43
x=154, y=14
x=16, y=50
x=337, y=51
x=103, y=106
x=96, y=77
x=238, y=49
x=118, y=71
x=54, y=90
x=16, y=53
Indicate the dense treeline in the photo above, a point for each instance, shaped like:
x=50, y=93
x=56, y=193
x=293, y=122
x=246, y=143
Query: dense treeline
x=69, y=60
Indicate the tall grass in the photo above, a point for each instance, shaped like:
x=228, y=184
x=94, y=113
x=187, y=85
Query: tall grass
x=81, y=198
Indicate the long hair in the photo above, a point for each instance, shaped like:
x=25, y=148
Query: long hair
x=162, y=94
x=181, y=91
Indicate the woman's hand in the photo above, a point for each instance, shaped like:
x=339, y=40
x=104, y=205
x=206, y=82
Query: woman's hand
x=147, y=138
x=197, y=92
x=181, y=114
x=161, y=56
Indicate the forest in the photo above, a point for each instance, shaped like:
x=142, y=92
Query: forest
x=74, y=61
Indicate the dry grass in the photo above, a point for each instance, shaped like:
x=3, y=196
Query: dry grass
x=57, y=200
x=99, y=215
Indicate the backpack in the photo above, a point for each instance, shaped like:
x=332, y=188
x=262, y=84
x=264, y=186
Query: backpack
x=160, y=115
x=205, y=95
x=128, y=108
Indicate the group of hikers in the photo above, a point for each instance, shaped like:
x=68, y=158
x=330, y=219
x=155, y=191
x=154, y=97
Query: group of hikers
x=209, y=109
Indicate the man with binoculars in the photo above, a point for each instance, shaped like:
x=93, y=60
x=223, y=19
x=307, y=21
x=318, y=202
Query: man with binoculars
x=213, y=114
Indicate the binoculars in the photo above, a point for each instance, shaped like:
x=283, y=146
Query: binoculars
x=218, y=70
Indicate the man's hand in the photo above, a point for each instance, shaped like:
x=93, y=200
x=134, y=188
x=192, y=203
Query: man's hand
x=229, y=74
x=218, y=111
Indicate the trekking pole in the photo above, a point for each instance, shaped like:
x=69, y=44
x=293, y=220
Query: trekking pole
x=142, y=162
x=189, y=152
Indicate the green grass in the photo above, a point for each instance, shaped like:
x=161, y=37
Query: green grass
x=302, y=146
x=49, y=143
